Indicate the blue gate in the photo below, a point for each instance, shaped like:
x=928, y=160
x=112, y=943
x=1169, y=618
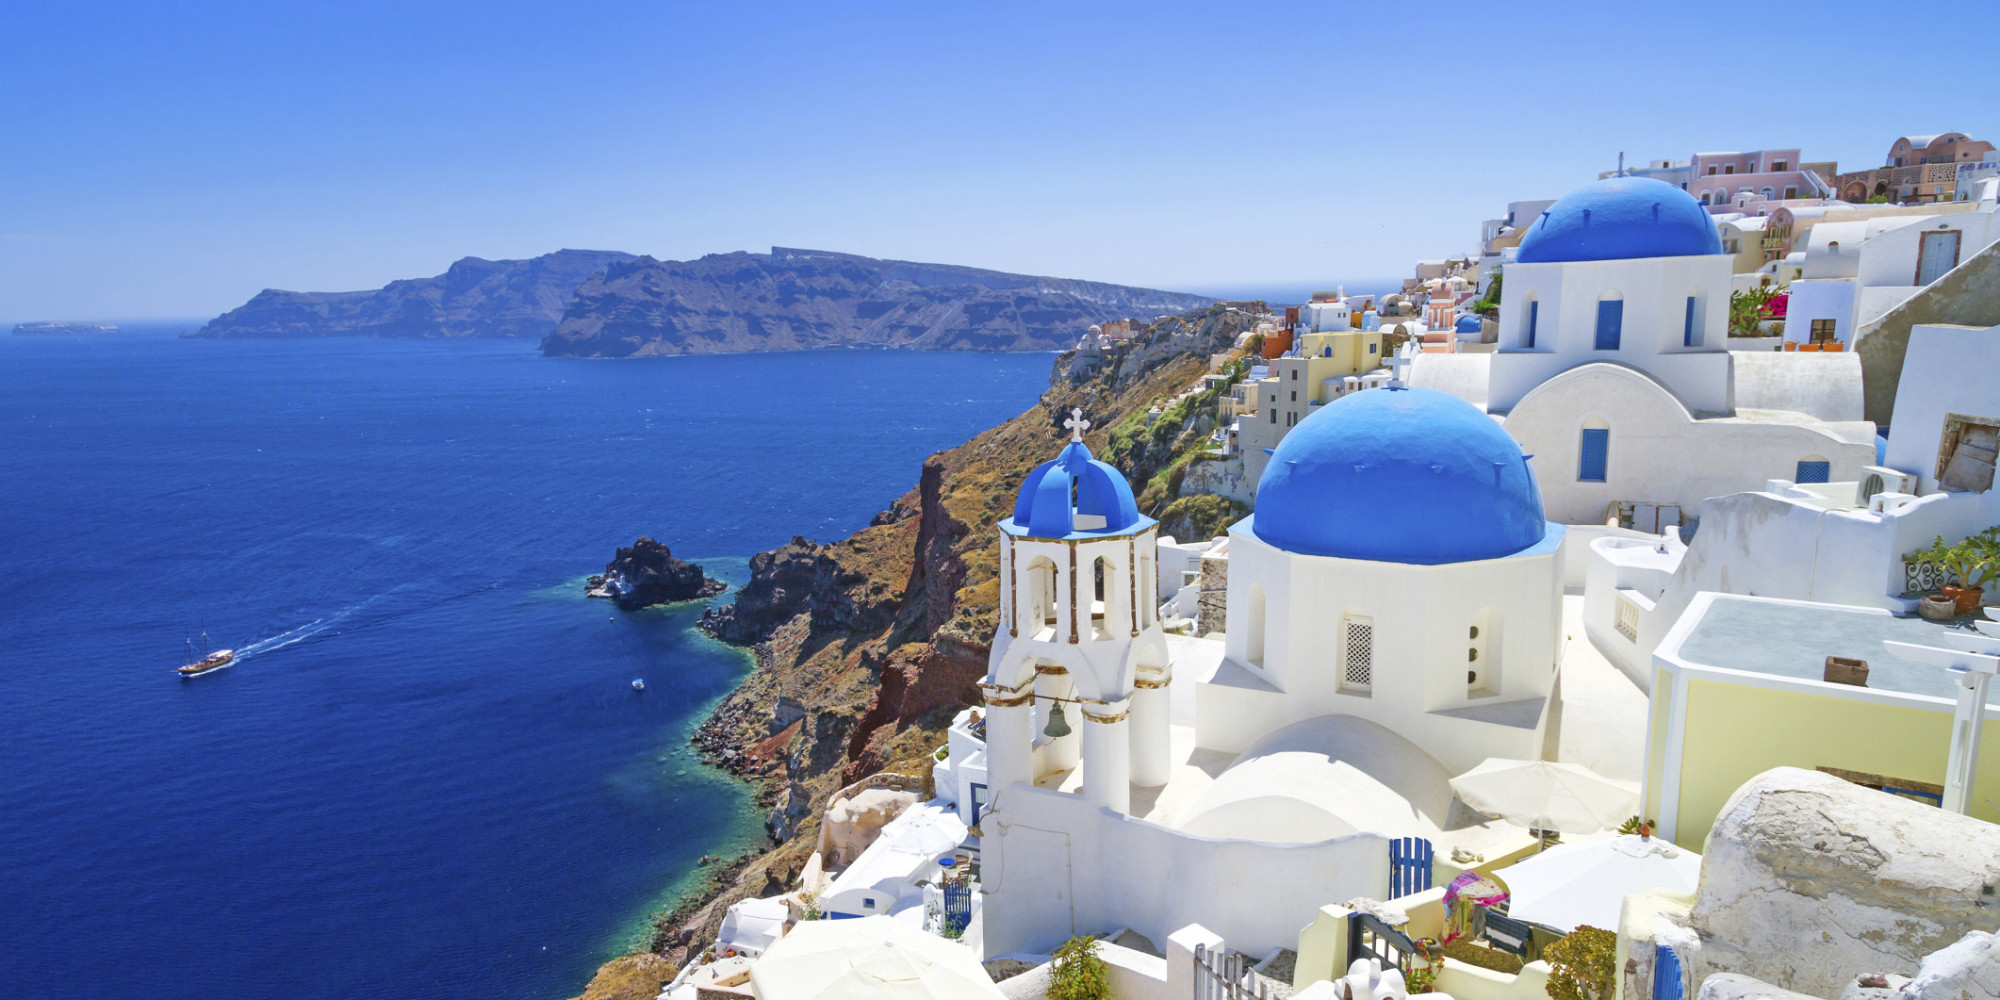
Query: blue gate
x=957, y=907
x=1666, y=974
x=1409, y=866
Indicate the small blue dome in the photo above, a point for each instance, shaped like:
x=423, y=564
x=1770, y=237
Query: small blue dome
x=1070, y=494
x=1399, y=475
x=1621, y=218
x=1467, y=324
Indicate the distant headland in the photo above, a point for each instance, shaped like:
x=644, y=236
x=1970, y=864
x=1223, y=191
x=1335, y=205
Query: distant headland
x=591, y=303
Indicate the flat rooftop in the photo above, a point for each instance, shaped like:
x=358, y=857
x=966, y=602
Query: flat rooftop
x=1787, y=639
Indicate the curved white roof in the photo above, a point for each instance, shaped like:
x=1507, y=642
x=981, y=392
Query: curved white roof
x=1325, y=778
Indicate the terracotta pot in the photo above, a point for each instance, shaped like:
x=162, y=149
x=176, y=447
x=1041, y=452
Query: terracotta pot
x=1966, y=598
x=1937, y=608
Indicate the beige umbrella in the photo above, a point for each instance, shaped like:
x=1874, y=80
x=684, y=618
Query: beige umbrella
x=865, y=958
x=1545, y=795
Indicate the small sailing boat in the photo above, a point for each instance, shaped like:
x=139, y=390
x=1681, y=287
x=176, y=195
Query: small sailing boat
x=215, y=659
x=638, y=684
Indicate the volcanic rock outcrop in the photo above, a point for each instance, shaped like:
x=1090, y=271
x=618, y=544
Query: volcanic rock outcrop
x=646, y=573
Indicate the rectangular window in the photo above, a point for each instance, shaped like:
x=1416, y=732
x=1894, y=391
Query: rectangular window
x=1778, y=166
x=1822, y=331
x=1711, y=171
x=1812, y=472
x=1534, y=313
x=1274, y=412
x=1357, y=673
x=1295, y=395
x=1295, y=375
x=1591, y=464
x=1610, y=322
x=1791, y=192
x=1729, y=168
x=1371, y=348
x=1687, y=328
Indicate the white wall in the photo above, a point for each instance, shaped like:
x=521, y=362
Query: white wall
x=1825, y=385
x=1655, y=292
x=1946, y=369
x=1055, y=866
x=1421, y=617
x=1659, y=453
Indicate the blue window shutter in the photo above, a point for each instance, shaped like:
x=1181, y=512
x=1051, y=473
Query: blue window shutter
x=1534, y=313
x=1687, y=333
x=1813, y=472
x=1596, y=449
x=1610, y=321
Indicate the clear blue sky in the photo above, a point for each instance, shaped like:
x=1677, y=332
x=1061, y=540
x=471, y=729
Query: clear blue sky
x=173, y=159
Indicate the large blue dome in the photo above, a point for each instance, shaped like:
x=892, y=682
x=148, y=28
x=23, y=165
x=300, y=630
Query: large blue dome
x=1621, y=218
x=1399, y=475
x=1075, y=495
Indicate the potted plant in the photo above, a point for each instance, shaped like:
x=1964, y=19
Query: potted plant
x=1972, y=559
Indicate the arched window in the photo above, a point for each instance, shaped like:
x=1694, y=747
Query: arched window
x=1691, y=326
x=1610, y=320
x=1766, y=192
x=1253, y=637
x=1704, y=198
x=1040, y=583
x=1593, y=464
x=1101, y=597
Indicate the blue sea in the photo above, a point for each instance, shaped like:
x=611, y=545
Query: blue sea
x=429, y=775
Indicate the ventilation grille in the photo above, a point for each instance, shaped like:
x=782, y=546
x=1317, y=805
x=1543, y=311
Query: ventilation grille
x=1359, y=672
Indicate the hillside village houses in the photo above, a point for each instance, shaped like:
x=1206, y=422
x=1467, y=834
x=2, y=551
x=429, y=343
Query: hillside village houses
x=1571, y=536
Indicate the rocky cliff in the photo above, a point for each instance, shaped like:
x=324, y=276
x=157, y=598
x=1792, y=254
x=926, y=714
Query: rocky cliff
x=867, y=646
x=804, y=299
x=475, y=298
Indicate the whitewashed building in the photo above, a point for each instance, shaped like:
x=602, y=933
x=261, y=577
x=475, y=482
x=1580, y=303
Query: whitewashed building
x=1613, y=367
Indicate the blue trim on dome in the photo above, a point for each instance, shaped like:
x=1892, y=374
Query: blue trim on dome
x=1400, y=475
x=1044, y=508
x=1621, y=218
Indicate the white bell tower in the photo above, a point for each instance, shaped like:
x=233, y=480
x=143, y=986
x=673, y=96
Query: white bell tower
x=1078, y=672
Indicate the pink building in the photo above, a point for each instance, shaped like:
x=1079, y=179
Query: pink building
x=1718, y=179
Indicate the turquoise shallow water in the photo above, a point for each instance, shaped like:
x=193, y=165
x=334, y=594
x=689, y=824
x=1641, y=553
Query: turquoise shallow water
x=430, y=777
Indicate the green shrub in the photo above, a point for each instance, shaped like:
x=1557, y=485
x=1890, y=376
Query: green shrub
x=1077, y=973
x=1583, y=965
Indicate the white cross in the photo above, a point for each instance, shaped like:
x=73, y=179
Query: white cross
x=1076, y=424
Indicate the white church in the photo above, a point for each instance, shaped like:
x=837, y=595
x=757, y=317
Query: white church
x=1393, y=619
x=1614, y=368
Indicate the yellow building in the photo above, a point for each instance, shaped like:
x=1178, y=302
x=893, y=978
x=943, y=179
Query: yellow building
x=1738, y=689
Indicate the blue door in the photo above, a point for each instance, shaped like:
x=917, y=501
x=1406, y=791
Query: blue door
x=1596, y=455
x=1666, y=974
x=1610, y=323
x=1409, y=866
x=978, y=802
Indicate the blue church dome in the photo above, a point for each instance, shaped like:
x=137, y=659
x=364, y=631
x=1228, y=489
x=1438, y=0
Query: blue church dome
x=1466, y=324
x=1075, y=494
x=1400, y=475
x=1620, y=218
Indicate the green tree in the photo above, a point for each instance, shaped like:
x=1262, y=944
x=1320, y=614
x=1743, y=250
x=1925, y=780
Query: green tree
x=1583, y=965
x=1077, y=973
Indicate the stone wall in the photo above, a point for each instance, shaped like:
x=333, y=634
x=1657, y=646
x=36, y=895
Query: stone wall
x=1809, y=881
x=1969, y=295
